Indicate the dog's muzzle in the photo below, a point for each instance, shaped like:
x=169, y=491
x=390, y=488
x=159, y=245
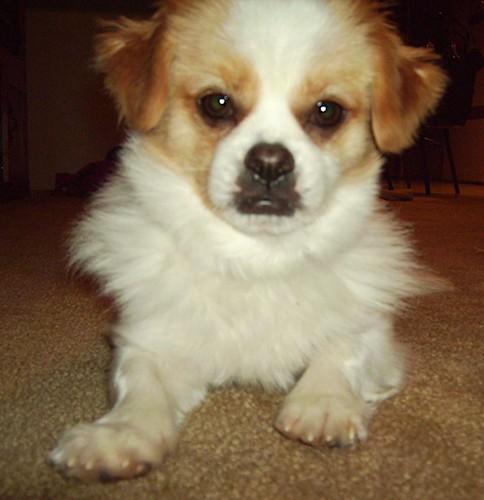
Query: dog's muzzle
x=267, y=184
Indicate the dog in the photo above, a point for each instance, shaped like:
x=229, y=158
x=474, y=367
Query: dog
x=242, y=239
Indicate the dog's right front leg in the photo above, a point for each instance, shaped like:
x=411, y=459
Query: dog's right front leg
x=140, y=429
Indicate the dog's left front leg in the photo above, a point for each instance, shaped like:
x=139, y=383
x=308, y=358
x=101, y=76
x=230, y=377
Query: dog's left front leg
x=322, y=408
x=152, y=394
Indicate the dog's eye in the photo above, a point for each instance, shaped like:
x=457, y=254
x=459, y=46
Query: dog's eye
x=216, y=106
x=327, y=114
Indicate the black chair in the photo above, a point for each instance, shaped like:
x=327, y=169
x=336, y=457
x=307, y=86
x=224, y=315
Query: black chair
x=453, y=41
x=430, y=135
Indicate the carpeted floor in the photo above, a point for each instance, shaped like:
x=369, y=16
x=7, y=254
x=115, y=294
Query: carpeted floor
x=425, y=443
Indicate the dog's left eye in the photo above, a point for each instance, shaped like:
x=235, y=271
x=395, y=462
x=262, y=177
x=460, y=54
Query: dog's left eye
x=216, y=106
x=327, y=114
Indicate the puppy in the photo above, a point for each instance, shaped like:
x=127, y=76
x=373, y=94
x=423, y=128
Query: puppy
x=242, y=239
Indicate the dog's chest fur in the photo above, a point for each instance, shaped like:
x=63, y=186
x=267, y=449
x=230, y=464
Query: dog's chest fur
x=235, y=308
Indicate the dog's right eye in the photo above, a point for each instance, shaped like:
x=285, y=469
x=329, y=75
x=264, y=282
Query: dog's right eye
x=216, y=107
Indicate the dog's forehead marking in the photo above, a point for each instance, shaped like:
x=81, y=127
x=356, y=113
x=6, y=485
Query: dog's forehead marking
x=285, y=39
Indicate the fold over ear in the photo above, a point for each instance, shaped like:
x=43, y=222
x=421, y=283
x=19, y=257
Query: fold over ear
x=134, y=57
x=406, y=89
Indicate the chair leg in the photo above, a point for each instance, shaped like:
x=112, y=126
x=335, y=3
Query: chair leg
x=389, y=180
x=404, y=169
x=387, y=172
x=425, y=165
x=451, y=160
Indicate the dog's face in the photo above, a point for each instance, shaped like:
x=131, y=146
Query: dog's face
x=268, y=106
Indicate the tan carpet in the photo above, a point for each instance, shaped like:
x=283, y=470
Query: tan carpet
x=426, y=443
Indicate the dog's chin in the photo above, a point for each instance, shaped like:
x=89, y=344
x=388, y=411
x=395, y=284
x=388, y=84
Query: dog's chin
x=275, y=211
x=264, y=217
x=266, y=205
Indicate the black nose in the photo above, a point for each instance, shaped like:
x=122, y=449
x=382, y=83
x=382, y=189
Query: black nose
x=269, y=162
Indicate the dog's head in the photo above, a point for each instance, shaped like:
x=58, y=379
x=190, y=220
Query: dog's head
x=268, y=105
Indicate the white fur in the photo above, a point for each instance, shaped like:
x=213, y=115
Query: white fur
x=209, y=296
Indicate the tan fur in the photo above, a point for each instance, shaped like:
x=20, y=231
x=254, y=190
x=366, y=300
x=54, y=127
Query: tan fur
x=136, y=58
x=182, y=133
x=405, y=91
x=345, y=85
x=158, y=97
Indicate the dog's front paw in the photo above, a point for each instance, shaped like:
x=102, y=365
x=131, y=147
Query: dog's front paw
x=317, y=419
x=108, y=451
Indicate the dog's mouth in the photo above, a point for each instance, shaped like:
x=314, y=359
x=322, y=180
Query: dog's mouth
x=265, y=198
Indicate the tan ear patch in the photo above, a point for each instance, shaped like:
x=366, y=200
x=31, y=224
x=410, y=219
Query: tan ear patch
x=407, y=87
x=134, y=57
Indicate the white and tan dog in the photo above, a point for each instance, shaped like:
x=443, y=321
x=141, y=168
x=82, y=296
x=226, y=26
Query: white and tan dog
x=242, y=239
